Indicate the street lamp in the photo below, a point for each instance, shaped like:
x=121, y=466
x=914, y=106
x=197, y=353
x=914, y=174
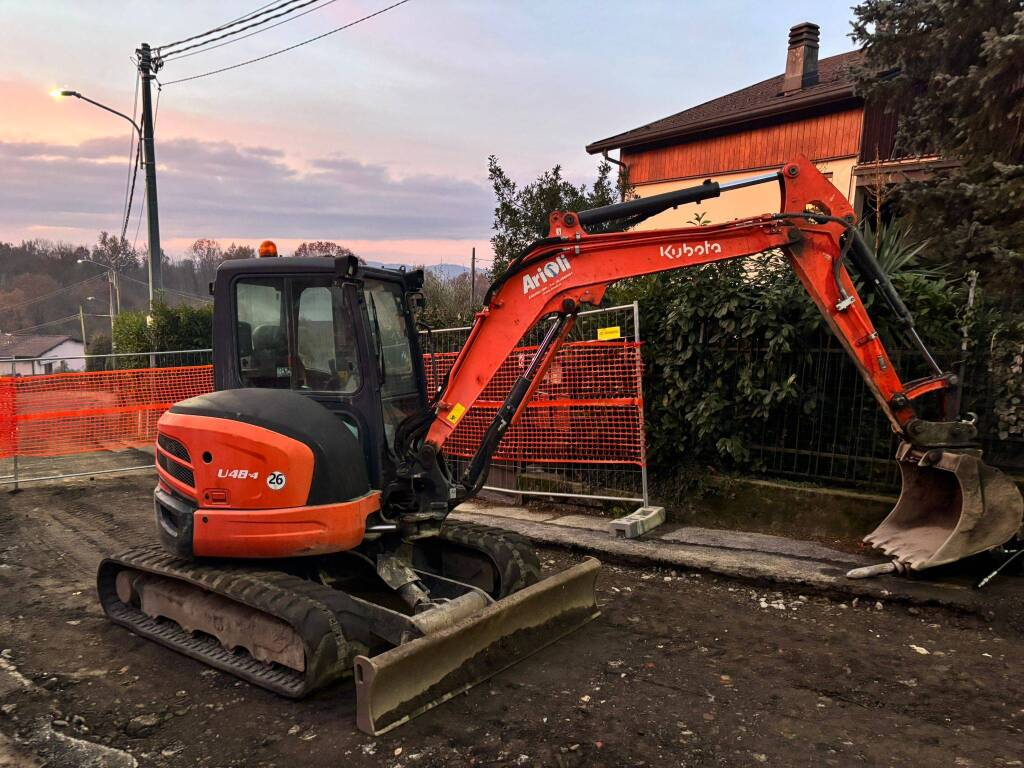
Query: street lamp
x=62, y=93
x=146, y=141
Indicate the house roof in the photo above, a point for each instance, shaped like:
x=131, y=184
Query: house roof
x=764, y=99
x=28, y=346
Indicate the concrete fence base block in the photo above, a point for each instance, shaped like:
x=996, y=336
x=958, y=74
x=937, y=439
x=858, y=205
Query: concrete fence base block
x=638, y=523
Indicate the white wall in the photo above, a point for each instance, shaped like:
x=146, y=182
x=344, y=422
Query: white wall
x=739, y=203
x=68, y=352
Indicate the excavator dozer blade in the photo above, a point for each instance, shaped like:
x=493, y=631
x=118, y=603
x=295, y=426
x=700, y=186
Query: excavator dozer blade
x=401, y=683
x=952, y=506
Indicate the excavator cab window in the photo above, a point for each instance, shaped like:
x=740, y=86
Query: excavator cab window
x=325, y=339
x=296, y=333
x=389, y=330
x=262, y=333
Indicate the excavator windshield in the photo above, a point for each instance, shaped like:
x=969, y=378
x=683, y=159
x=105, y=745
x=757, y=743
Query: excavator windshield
x=296, y=333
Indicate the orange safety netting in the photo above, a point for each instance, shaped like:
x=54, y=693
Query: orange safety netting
x=65, y=413
x=587, y=409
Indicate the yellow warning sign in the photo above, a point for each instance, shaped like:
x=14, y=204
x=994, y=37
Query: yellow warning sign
x=456, y=413
x=610, y=333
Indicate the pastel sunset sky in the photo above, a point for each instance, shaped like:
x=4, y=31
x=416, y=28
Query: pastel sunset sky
x=376, y=137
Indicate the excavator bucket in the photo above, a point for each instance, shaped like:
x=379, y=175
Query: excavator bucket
x=401, y=683
x=952, y=505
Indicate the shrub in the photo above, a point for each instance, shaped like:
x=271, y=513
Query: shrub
x=167, y=328
x=724, y=344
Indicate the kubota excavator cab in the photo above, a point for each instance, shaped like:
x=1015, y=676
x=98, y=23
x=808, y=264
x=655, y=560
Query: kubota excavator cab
x=347, y=342
x=319, y=363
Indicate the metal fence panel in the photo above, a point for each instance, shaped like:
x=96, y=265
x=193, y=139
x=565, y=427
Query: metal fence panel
x=837, y=434
x=89, y=415
x=582, y=434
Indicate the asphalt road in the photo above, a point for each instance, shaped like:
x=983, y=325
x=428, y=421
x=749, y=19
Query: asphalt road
x=681, y=669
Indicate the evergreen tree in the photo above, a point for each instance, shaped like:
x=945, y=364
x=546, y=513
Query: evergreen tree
x=953, y=73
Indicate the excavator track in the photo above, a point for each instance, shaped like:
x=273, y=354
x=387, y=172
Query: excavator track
x=293, y=636
x=303, y=607
x=513, y=556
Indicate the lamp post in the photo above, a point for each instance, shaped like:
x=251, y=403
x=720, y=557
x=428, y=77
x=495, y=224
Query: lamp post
x=63, y=92
x=85, y=343
x=112, y=289
x=145, y=134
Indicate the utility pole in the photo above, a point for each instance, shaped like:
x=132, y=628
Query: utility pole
x=110, y=300
x=148, y=68
x=81, y=321
x=472, y=281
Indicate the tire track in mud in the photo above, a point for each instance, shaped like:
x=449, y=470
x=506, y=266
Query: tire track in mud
x=59, y=539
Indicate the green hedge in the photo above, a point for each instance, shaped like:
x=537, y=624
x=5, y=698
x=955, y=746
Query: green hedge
x=166, y=328
x=723, y=342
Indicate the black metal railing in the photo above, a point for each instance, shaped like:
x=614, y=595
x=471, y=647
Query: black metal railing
x=835, y=432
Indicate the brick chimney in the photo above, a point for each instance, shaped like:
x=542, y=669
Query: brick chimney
x=802, y=58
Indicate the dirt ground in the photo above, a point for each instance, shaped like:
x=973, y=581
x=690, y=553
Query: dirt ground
x=680, y=669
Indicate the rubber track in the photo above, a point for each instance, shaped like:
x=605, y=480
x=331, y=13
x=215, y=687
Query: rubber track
x=302, y=604
x=512, y=554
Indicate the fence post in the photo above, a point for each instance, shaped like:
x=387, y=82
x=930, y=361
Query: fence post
x=643, y=432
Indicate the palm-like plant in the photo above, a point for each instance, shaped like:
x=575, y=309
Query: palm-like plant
x=898, y=252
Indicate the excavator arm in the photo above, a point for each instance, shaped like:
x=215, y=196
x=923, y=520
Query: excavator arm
x=815, y=229
x=571, y=268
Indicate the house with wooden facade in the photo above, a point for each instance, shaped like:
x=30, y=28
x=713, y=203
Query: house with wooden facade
x=811, y=109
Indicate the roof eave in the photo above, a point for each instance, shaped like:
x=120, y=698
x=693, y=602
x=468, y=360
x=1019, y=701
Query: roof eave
x=621, y=141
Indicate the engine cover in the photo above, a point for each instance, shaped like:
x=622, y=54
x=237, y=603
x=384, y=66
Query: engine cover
x=252, y=450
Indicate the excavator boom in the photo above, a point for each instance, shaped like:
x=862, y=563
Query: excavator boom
x=952, y=505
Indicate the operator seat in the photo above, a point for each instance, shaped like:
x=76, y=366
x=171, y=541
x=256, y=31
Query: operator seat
x=269, y=353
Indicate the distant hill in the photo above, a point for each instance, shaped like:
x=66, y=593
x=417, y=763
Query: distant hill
x=447, y=271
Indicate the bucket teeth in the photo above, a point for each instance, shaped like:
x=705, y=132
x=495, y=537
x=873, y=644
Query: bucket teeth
x=952, y=505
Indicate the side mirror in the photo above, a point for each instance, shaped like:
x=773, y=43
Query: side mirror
x=416, y=300
x=346, y=267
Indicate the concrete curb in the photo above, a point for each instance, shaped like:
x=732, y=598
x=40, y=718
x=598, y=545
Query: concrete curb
x=813, y=573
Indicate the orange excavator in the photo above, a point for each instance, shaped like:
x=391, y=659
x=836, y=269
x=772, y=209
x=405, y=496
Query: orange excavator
x=302, y=507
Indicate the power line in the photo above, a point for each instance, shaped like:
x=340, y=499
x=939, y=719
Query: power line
x=138, y=226
x=195, y=296
x=169, y=290
x=131, y=194
x=51, y=322
x=247, y=17
x=52, y=293
x=232, y=32
x=291, y=47
x=258, y=31
x=131, y=146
